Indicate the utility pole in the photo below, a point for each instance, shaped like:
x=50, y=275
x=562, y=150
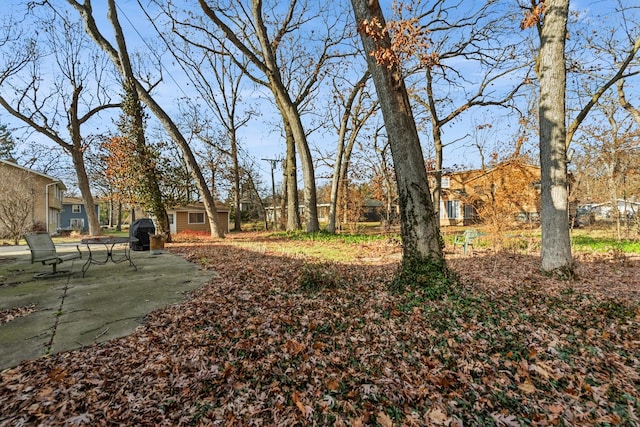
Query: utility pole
x=274, y=163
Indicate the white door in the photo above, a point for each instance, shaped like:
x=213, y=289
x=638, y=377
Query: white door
x=172, y=223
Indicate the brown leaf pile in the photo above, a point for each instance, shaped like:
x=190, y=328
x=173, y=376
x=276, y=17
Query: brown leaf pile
x=282, y=340
x=17, y=312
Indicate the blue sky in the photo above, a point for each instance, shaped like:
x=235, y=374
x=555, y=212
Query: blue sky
x=260, y=138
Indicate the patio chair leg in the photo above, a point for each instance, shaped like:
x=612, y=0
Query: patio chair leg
x=54, y=273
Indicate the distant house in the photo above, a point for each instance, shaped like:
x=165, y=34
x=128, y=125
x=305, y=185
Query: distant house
x=74, y=216
x=369, y=210
x=43, y=194
x=512, y=186
x=604, y=211
x=193, y=217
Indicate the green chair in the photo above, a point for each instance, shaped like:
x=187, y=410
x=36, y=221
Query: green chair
x=465, y=239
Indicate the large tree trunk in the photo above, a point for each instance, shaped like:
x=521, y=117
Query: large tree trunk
x=308, y=173
x=77, y=157
x=297, y=138
x=85, y=191
x=556, y=243
x=420, y=234
x=291, y=172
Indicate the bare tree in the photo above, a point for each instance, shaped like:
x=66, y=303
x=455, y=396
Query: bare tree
x=550, y=19
x=223, y=96
x=419, y=226
x=556, y=244
x=16, y=202
x=85, y=10
x=132, y=125
x=382, y=181
x=354, y=112
x=459, y=40
x=70, y=99
x=612, y=148
x=285, y=59
x=624, y=102
x=616, y=47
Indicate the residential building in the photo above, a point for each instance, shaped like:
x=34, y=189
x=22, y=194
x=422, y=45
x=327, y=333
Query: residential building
x=193, y=217
x=368, y=210
x=73, y=215
x=508, y=191
x=628, y=208
x=41, y=193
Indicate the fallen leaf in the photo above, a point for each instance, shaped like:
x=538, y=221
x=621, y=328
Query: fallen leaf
x=384, y=420
x=527, y=387
x=437, y=416
x=333, y=384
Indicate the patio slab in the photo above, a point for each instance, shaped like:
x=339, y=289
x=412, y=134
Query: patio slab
x=70, y=312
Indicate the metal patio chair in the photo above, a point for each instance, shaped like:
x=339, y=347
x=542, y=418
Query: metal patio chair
x=44, y=250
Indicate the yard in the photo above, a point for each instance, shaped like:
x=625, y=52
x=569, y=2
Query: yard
x=306, y=331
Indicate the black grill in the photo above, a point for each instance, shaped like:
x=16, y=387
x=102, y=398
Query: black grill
x=141, y=229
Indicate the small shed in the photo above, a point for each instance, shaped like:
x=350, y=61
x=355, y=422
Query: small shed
x=193, y=217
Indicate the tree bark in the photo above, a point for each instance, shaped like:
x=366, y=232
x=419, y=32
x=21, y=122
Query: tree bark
x=291, y=171
x=419, y=227
x=556, y=243
x=237, y=223
x=291, y=116
x=85, y=191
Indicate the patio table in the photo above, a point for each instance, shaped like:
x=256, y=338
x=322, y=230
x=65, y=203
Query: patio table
x=109, y=243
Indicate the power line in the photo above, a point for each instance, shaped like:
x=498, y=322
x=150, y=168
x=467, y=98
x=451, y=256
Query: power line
x=135, y=29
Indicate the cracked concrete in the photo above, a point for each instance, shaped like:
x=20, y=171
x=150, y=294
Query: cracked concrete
x=72, y=311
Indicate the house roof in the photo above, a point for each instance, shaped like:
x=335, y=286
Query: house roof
x=473, y=174
x=620, y=201
x=72, y=200
x=44, y=175
x=197, y=206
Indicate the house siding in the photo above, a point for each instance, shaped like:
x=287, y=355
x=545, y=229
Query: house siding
x=67, y=216
x=472, y=188
x=182, y=220
x=47, y=192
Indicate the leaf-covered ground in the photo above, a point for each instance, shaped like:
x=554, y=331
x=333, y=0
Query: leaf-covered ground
x=284, y=339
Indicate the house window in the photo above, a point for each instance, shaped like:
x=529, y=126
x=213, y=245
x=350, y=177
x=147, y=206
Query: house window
x=76, y=223
x=469, y=212
x=196, y=217
x=453, y=209
x=170, y=218
x=76, y=208
x=446, y=182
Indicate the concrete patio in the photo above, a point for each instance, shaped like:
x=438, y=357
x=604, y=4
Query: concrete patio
x=70, y=311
